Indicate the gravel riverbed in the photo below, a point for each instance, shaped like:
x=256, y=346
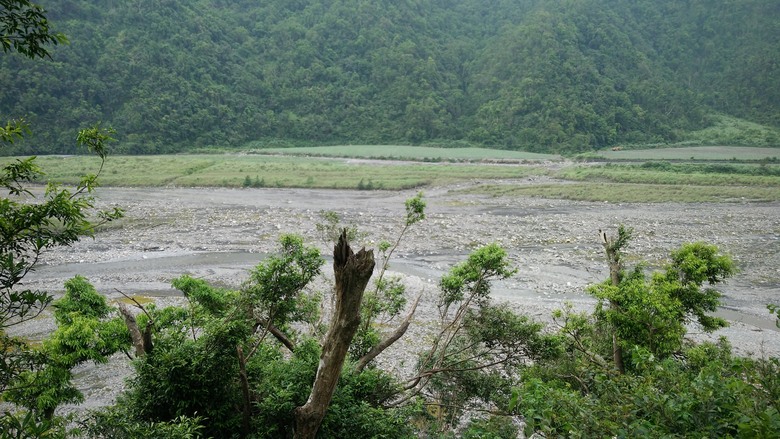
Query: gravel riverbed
x=218, y=234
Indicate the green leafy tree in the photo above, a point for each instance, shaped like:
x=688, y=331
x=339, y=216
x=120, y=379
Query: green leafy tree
x=670, y=387
x=85, y=332
x=478, y=344
x=386, y=300
x=30, y=224
x=651, y=312
x=276, y=288
x=239, y=362
x=352, y=272
x=258, y=361
x=114, y=424
x=704, y=391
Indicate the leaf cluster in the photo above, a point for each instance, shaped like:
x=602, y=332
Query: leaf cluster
x=652, y=311
x=471, y=279
x=24, y=28
x=227, y=342
x=85, y=332
x=472, y=361
x=29, y=226
x=274, y=286
x=704, y=392
x=670, y=387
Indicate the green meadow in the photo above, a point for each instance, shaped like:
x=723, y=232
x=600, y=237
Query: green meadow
x=696, y=153
x=653, y=182
x=406, y=152
x=630, y=192
x=643, y=181
x=253, y=170
x=664, y=173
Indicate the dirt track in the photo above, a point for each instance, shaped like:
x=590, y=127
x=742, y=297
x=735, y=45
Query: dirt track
x=218, y=234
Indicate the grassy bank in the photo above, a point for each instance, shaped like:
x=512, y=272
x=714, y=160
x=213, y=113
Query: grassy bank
x=631, y=192
x=270, y=171
x=692, y=153
x=646, y=182
x=416, y=153
x=653, y=182
x=664, y=173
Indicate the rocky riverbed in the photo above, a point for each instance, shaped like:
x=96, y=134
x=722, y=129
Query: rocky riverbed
x=218, y=234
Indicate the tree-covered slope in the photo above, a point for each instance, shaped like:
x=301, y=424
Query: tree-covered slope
x=559, y=75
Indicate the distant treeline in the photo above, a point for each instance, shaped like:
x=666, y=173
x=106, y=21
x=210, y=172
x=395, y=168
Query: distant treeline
x=543, y=76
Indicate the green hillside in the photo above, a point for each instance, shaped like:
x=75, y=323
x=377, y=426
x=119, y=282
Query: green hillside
x=543, y=76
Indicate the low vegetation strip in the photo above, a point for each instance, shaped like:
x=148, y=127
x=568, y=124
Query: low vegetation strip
x=663, y=173
x=699, y=153
x=649, y=182
x=405, y=152
x=230, y=170
x=631, y=193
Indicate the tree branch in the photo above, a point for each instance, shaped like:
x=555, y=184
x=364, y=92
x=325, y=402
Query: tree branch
x=141, y=341
x=247, y=403
x=390, y=339
x=281, y=336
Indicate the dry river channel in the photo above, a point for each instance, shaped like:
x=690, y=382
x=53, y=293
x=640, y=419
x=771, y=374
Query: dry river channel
x=218, y=234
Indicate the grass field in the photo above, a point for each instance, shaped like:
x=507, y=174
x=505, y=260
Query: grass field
x=663, y=181
x=679, y=175
x=418, y=153
x=231, y=170
x=648, y=182
x=698, y=153
x=631, y=192
x=729, y=130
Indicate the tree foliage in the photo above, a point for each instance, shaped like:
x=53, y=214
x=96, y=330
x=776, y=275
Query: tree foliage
x=85, y=332
x=671, y=387
x=24, y=28
x=31, y=223
x=241, y=363
x=230, y=345
x=652, y=311
x=704, y=392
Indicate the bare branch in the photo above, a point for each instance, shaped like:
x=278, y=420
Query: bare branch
x=390, y=339
x=137, y=303
x=141, y=341
x=281, y=336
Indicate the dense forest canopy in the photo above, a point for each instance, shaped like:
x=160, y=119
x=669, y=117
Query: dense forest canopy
x=545, y=76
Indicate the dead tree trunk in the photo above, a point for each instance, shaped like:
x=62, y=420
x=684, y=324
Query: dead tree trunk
x=352, y=272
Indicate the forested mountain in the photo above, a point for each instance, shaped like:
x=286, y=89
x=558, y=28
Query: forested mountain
x=553, y=75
